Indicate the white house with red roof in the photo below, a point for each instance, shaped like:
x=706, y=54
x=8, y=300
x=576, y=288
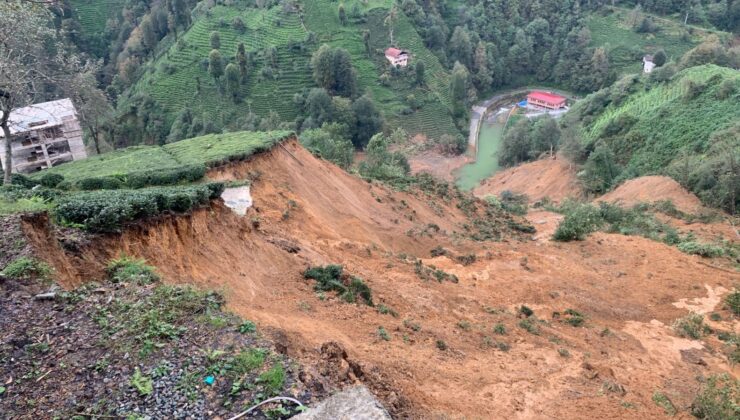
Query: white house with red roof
x=545, y=100
x=397, y=58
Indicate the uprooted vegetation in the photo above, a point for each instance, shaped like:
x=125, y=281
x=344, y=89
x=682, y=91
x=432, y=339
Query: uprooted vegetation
x=582, y=219
x=332, y=279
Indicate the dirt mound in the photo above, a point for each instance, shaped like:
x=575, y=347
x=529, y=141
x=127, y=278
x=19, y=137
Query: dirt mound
x=439, y=346
x=649, y=189
x=553, y=178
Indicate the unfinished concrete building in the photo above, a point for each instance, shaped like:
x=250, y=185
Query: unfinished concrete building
x=43, y=135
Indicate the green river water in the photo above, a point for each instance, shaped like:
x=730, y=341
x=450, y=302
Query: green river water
x=486, y=163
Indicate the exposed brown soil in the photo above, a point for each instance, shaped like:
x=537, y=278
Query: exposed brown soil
x=440, y=165
x=443, y=358
x=553, y=178
x=649, y=189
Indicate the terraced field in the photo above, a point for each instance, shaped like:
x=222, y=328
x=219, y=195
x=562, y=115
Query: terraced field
x=93, y=14
x=179, y=76
x=177, y=86
x=626, y=47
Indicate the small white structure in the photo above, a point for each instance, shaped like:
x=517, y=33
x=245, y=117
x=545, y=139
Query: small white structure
x=238, y=199
x=648, y=64
x=397, y=58
x=43, y=135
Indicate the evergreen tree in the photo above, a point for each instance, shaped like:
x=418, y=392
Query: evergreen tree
x=342, y=15
x=599, y=69
x=148, y=35
x=483, y=77
x=419, y=70
x=233, y=81
x=215, y=65
x=459, y=83
x=461, y=48
x=241, y=60
x=659, y=58
x=215, y=40
x=600, y=170
x=333, y=71
x=368, y=121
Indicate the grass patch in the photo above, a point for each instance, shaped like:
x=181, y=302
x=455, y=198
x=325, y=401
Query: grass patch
x=157, y=316
x=530, y=325
x=732, y=302
x=499, y=329
x=348, y=288
x=718, y=399
x=22, y=205
x=131, y=270
x=27, y=268
x=701, y=249
x=385, y=310
x=662, y=401
x=574, y=318
x=273, y=379
x=142, y=383
x=691, y=326
x=383, y=334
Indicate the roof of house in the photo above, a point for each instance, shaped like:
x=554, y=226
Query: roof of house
x=647, y=58
x=38, y=116
x=546, y=96
x=394, y=52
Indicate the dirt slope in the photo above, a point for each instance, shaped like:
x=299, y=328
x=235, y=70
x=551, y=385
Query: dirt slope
x=555, y=179
x=649, y=189
x=443, y=358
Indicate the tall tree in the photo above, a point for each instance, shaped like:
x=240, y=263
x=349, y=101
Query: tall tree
x=342, y=14
x=390, y=21
x=241, y=60
x=36, y=65
x=232, y=81
x=459, y=83
x=483, y=78
x=215, y=65
x=461, y=48
x=215, y=40
x=333, y=71
x=419, y=70
x=368, y=121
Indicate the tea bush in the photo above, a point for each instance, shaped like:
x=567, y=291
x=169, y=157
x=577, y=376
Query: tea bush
x=108, y=210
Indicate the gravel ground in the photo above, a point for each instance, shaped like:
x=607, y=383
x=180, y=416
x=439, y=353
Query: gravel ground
x=76, y=354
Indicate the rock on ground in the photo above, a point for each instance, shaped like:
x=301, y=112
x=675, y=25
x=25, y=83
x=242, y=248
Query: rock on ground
x=355, y=403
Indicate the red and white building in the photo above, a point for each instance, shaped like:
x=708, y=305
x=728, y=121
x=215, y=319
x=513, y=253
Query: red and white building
x=545, y=100
x=397, y=58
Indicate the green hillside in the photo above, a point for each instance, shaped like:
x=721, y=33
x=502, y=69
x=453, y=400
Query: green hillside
x=626, y=46
x=93, y=14
x=172, y=78
x=686, y=127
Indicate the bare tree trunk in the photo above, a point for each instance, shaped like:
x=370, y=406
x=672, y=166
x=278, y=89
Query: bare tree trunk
x=8, y=164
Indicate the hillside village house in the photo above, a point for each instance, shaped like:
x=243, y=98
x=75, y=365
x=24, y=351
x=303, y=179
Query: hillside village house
x=44, y=135
x=545, y=100
x=648, y=64
x=397, y=58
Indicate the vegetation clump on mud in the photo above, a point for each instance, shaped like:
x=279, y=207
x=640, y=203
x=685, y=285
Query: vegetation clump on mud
x=149, y=350
x=718, y=399
x=331, y=278
x=582, y=219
